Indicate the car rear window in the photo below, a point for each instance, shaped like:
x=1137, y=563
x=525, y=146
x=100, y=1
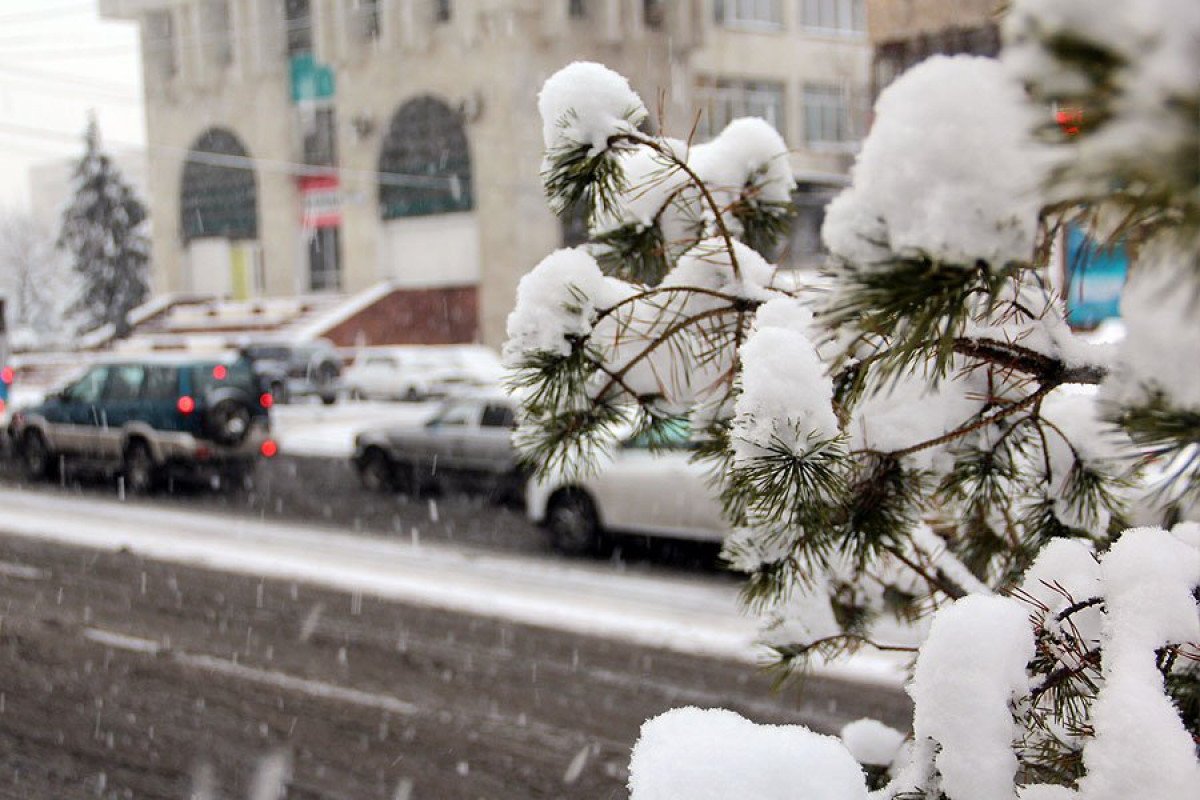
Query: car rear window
x=268, y=353
x=209, y=377
x=161, y=383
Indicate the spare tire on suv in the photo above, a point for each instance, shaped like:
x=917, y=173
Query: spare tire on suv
x=228, y=417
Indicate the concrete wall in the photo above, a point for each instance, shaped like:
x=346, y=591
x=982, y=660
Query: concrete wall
x=414, y=316
x=489, y=61
x=903, y=19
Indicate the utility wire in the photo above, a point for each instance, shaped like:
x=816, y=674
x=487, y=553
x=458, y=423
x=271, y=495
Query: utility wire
x=47, y=13
x=66, y=85
x=230, y=161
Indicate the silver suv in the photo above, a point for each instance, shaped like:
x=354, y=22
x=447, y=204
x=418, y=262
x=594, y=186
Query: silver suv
x=289, y=370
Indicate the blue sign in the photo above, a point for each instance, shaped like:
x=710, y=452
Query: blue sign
x=1095, y=278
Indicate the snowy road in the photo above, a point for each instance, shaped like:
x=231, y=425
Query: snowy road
x=695, y=615
x=128, y=670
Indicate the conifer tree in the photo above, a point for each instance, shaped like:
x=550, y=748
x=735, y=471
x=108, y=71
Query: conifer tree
x=103, y=234
x=921, y=435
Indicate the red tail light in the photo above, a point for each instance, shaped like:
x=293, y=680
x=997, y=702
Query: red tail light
x=219, y=372
x=266, y=400
x=1069, y=120
x=6, y=375
x=185, y=404
x=3, y=405
x=268, y=448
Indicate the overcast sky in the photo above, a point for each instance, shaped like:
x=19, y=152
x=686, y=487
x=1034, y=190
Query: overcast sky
x=57, y=61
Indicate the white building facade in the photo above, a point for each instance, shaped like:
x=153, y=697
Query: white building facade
x=301, y=146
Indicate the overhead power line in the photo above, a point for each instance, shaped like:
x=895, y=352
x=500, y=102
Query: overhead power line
x=100, y=90
x=44, y=13
x=293, y=168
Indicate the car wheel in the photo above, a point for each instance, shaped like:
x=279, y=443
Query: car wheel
x=573, y=524
x=36, y=456
x=141, y=473
x=329, y=398
x=229, y=421
x=376, y=471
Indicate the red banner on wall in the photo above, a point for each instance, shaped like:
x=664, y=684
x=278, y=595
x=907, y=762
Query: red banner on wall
x=320, y=201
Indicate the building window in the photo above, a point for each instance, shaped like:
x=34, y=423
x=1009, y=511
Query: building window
x=724, y=101
x=766, y=14
x=803, y=248
x=425, y=162
x=159, y=44
x=441, y=11
x=654, y=14
x=218, y=196
x=834, y=17
x=217, y=33
x=366, y=20
x=298, y=26
x=827, y=116
x=577, y=9
x=318, y=126
x=324, y=262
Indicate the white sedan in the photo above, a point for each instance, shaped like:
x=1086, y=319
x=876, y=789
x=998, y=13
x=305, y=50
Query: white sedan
x=656, y=491
x=415, y=372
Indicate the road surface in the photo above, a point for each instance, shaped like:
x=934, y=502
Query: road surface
x=126, y=676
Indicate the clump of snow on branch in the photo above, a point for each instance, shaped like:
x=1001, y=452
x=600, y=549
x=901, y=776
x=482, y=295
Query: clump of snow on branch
x=1162, y=341
x=747, y=161
x=787, y=397
x=709, y=265
x=1141, y=748
x=652, y=180
x=557, y=300
x=748, y=151
x=969, y=672
x=871, y=742
x=1077, y=438
x=716, y=754
x=949, y=171
x=1133, y=68
x=1065, y=572
x=909, y=412
x=586, y=103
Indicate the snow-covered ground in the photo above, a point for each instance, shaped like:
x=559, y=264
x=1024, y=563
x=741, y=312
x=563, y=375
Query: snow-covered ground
x=687, y=614
x=320, y=430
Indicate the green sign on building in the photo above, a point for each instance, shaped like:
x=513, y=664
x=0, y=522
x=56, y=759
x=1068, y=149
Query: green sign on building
x=312, y=82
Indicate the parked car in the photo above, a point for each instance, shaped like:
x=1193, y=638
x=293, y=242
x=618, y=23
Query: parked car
x=419, y=372
x=648, y=486
x=467, y=444
x=151, y=418
x=289, y=370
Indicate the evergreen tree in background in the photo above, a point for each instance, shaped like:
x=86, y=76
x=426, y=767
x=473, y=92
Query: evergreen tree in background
x=103, y=234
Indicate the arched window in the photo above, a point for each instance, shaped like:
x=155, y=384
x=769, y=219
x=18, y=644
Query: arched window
x=425, y=164
x=218, y=195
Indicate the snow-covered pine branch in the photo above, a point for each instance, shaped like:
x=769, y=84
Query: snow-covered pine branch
x=917, y=442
